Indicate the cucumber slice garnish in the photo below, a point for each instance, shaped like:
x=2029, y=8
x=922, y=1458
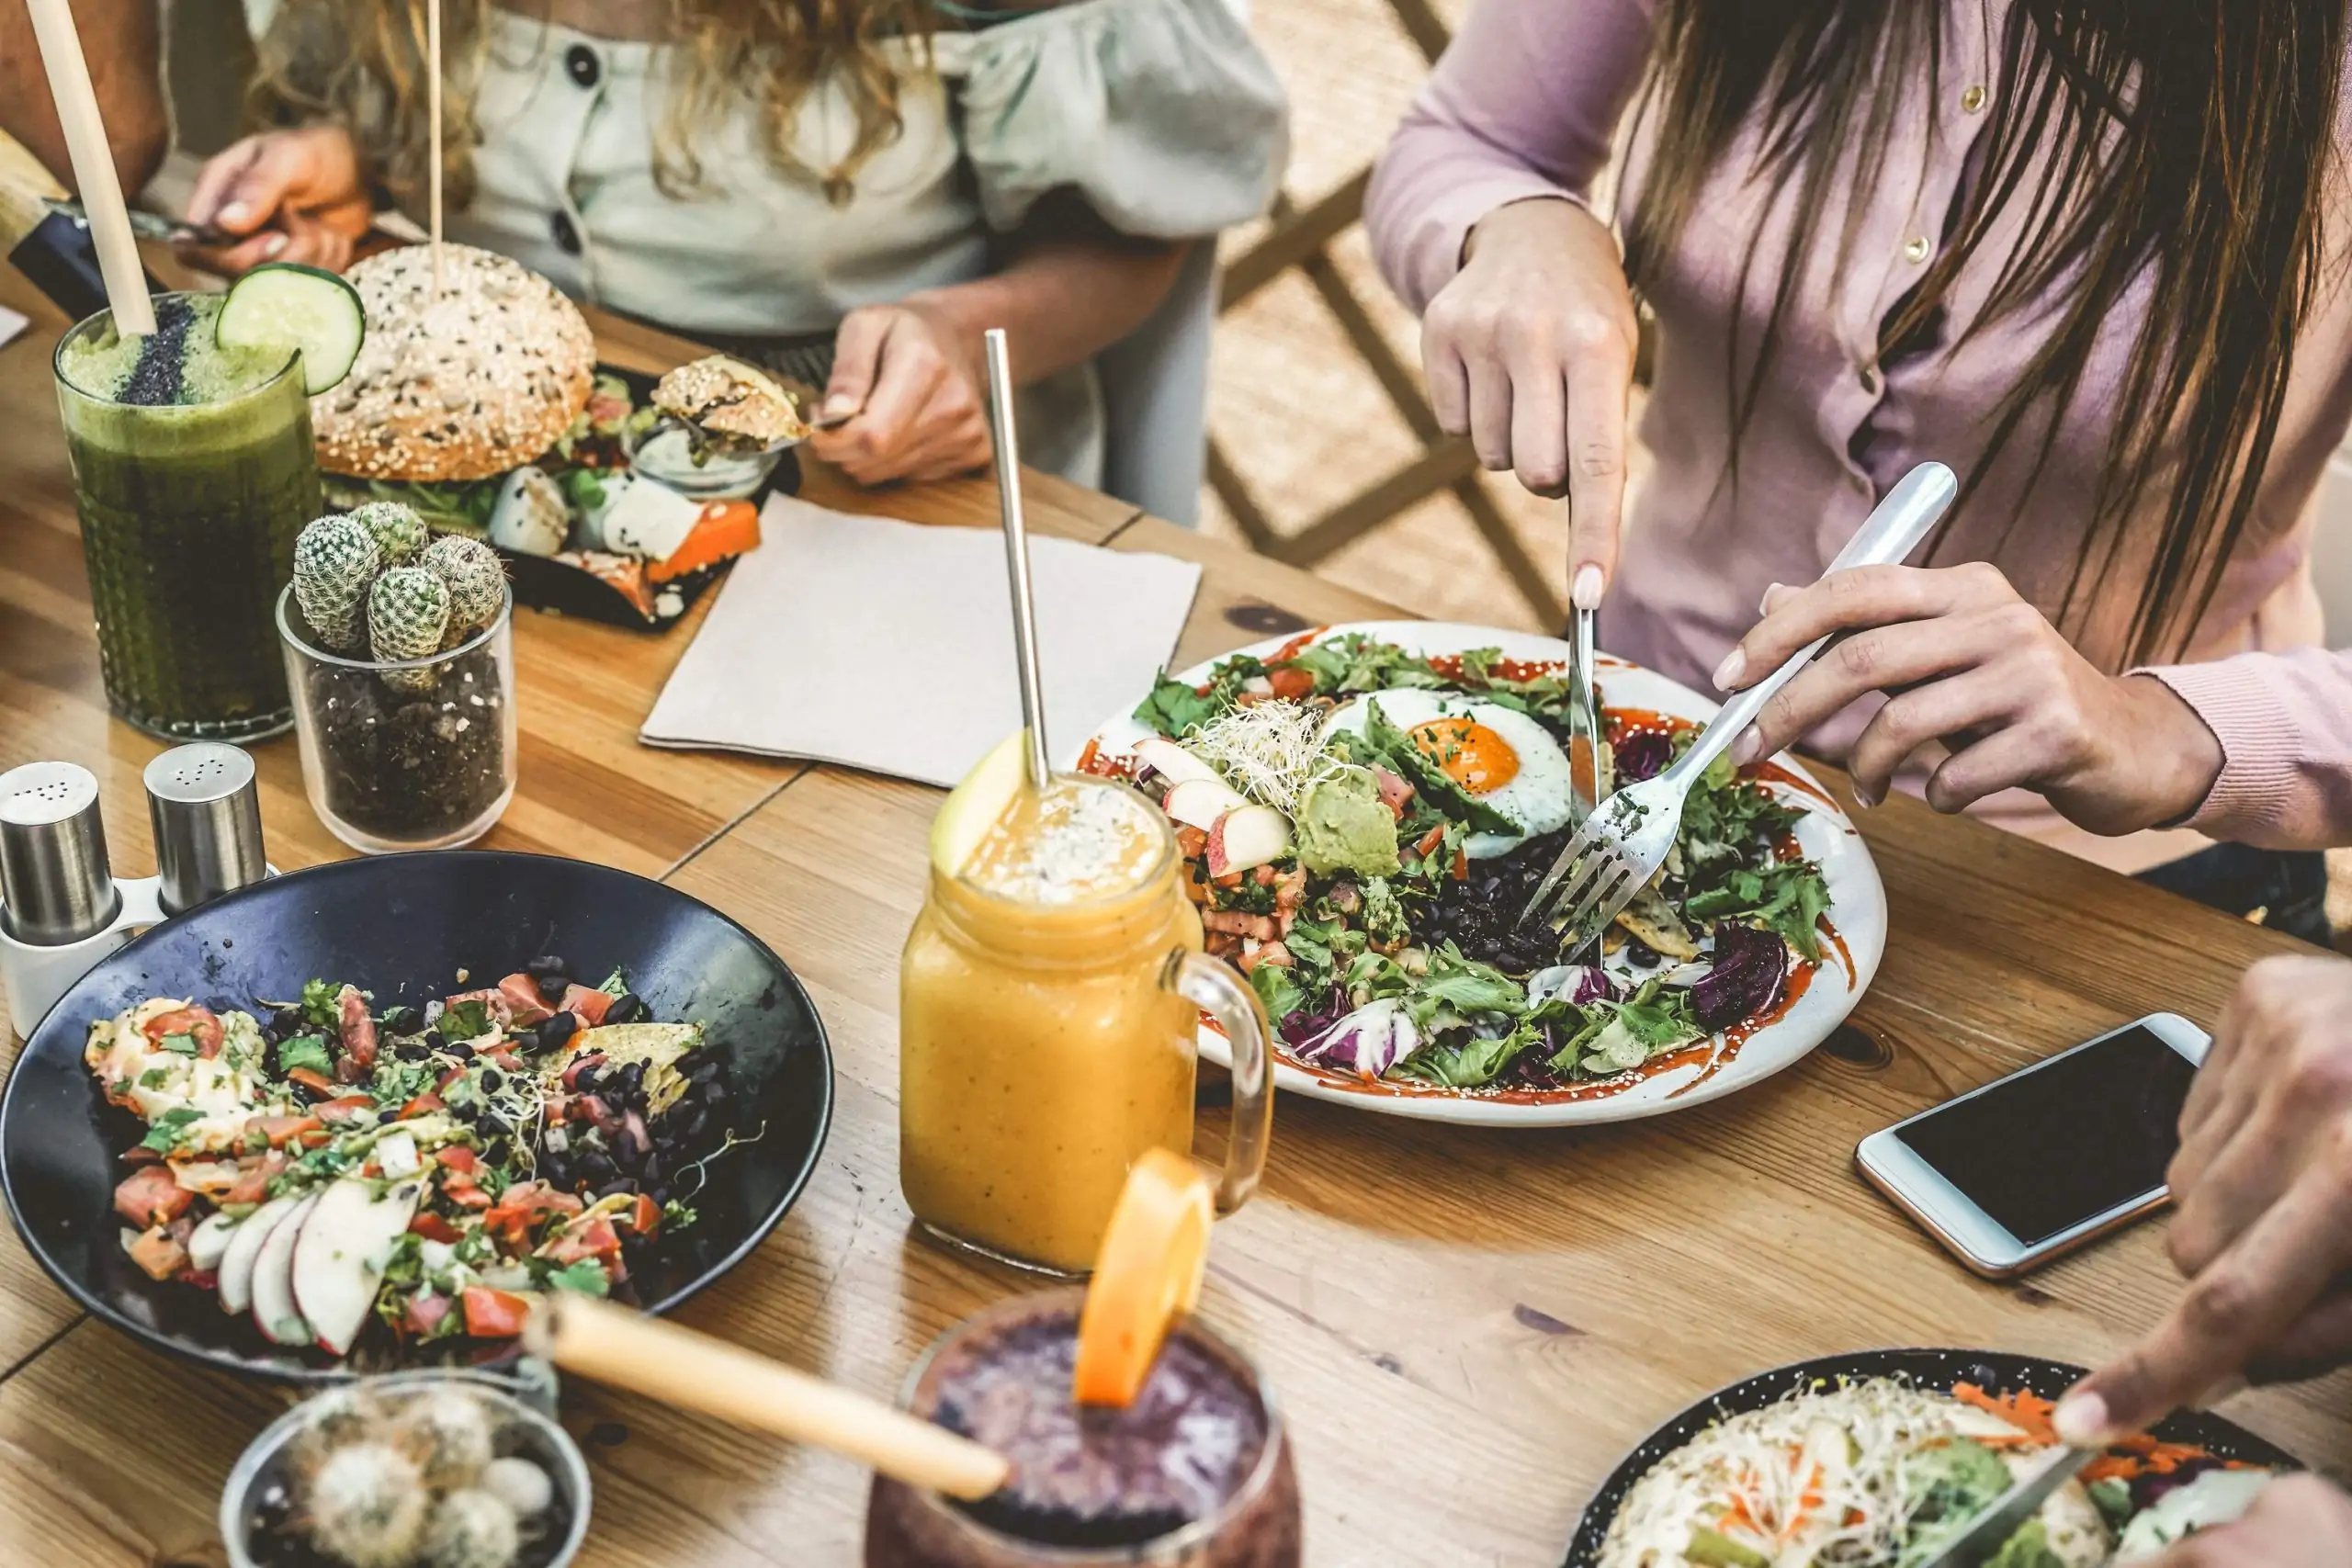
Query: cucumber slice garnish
x=284, y=305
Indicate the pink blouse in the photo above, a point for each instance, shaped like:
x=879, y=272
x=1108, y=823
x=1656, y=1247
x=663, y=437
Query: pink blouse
x=1525, y=104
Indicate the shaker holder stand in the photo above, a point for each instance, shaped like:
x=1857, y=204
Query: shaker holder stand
x=36, y=976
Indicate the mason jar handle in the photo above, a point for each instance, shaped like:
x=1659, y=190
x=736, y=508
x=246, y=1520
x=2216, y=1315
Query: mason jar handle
x=1216, y=989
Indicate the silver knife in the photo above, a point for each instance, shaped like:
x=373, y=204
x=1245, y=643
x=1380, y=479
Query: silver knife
x=1984, y=1536
x=155, y=226
x=1584, y=722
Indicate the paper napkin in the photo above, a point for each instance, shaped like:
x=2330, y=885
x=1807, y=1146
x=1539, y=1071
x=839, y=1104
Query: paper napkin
x=11, y=324
x=887, y=646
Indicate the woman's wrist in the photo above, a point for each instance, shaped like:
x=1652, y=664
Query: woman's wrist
x=2174, y=755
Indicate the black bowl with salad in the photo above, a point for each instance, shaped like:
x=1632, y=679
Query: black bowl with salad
x=359, y=1117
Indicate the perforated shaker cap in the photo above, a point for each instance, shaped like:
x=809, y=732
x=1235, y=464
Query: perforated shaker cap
x=55, y=881
x=206, y=815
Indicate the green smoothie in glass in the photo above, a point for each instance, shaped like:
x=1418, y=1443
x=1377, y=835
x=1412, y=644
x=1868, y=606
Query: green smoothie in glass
x=193, y=472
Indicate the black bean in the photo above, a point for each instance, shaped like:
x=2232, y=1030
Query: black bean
x=594, y=1167
x=461, y=1049
x=652, y=1169
x=555, y=1169
x=552, y=987
x=704, y=1072
x=491, y=1078
x=397, y=1020
x=436, y=1041
x=496, y=1151
x=632, y=1077
x=559, y=1029
x=661, y=1195
x=700, y=1121
x=411, y=1051
x=1641, y=955
x=628, y=1008
x=546, y=964
x=590, y=1080
x=288, y=1021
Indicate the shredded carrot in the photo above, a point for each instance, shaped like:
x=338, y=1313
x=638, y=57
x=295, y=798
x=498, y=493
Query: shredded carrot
x=2126, y=1459
x=2025, y=1410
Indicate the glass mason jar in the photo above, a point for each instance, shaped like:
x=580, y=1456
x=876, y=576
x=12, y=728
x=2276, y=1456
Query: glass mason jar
x=405, y=754
x=1044, y=1047
x=188, y=514
x=1256, y=1527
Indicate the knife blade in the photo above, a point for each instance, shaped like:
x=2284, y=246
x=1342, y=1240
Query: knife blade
x=1584, y=723
x=155, y=226
x=2024, y=1498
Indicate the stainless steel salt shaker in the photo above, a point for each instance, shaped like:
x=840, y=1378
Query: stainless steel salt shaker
x=206, y=815
x=56, y=886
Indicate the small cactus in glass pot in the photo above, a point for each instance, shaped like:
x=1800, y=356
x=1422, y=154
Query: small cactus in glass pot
x=476, y=581
x=399, y=533
x=335, y=559
x=408, y=613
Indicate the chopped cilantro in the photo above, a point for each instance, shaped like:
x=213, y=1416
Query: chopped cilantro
x=152, y=1077
x=586, y=1276
x=184, y=1044
x=304, y=1051
x=319, y=1003
x=676, y=1215
x=466, y=1020
x=615, y=985
x=169, y=1130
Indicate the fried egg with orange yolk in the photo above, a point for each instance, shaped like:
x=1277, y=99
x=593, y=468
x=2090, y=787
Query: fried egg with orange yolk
x=1495, y=755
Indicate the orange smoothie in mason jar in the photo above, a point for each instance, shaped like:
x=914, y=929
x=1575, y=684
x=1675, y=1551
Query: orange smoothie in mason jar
x=1049, y=1000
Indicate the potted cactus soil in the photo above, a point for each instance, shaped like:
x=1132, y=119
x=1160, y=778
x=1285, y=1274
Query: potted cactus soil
x=399, y=655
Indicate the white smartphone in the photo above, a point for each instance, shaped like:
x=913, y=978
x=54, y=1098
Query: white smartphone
x=2034, y=1165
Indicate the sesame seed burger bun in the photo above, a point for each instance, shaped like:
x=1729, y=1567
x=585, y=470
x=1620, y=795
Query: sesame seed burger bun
x=477, y=381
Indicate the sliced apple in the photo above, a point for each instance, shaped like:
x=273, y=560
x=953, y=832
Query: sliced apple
x=1247, y=838
x=236, y=1278
x=1198, y=803
x=339, y=1257
x=1171, y=761
x=979, y=804
x=274, y=1314
x=209, y=1243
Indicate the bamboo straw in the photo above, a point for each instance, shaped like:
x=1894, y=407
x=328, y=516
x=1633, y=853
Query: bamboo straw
x=85, y=142
x=432, y=110
x=632, y=1350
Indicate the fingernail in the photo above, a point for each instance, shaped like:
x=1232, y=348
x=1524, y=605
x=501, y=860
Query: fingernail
x=1734, y=666
x=2080, y=1420
x=233, y=214
x=838, y=405
x=1585, y=593
x=274, y=245
x=1764, y=608
x=1864, y=797
x=1747, y=748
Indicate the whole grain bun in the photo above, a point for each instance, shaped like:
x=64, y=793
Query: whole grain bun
x=471, y=384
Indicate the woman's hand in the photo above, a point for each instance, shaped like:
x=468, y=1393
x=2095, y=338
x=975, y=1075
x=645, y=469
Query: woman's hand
x=2262, y=1181
x=300, y=195
x=1973, y=668
x=914, y=381
x=2297, y=1521
x=1530, y=352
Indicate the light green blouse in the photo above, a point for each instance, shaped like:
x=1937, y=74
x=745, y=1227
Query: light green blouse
x=1162, y=114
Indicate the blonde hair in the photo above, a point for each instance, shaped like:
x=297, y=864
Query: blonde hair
x=361, y=63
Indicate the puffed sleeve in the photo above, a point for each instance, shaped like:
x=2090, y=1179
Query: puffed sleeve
x=1162, y=114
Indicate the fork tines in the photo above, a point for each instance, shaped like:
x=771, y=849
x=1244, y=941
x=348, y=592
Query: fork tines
x=1594, y=880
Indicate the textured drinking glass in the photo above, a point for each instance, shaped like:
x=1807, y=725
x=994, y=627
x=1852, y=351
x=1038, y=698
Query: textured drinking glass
x=406, y=754
x=189, y=517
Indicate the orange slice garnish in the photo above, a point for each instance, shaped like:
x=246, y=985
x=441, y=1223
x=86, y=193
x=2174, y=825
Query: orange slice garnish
x=1149, y=1274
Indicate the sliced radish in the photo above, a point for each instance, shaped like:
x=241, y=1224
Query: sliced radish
x=1251, y=836
x=339, y=1256
x=274, y=1314
x=1172, y=762
x=244, y=1249
x=209, y=1243
x=1198, y=803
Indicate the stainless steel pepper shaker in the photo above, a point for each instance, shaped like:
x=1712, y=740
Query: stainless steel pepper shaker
x=206, y=811
x=56, y=887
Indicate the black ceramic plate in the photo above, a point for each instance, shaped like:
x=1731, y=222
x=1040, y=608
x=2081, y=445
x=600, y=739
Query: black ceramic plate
x=1991, y=1369
x=403, y=926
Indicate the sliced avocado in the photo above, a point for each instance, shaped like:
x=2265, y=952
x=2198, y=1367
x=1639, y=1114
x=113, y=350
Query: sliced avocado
x=658, y=1046
x=1711, y=1549
x=1406, y=758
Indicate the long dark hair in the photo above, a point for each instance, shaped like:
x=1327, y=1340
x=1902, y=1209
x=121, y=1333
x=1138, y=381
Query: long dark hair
x=2186, y=143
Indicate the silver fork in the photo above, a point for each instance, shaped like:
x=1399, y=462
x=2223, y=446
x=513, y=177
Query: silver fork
x=1626, y=841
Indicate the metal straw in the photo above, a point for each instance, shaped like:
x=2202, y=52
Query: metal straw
x=1016, y=554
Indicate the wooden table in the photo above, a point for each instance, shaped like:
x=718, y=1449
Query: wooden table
x=1466, y=1327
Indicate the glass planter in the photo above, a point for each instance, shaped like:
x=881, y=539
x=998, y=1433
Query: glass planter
x=407, y=754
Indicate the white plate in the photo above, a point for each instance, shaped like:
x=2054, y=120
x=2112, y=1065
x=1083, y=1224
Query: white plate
x=1857, y=910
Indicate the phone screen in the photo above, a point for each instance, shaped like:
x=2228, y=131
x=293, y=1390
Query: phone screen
x=2052, y=1147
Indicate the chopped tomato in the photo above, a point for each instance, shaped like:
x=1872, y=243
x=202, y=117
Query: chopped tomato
x=359, y=1028
x=520, y=1208
x=456, y=1157
x=584, y=1238
x=315, y=1082
x=159, y=1256
x=425, y=1313
x=433, y=1228
x=1428, y=841
x=494, y=1315
x=253, y=1185
x=281, y=1130
x=423, y=1104
x=1292, y=682
x=644, y=1215
x=1296, y=645
x=343, y=1108
x=1461, y=865
x=199, y=1024
x=522, y=994
x=588, y=1006
x=150, y=1196
x=461, y=1191
x=1395, y=792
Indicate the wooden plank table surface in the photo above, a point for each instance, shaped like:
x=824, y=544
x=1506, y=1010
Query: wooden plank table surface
x=1465, y=1328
